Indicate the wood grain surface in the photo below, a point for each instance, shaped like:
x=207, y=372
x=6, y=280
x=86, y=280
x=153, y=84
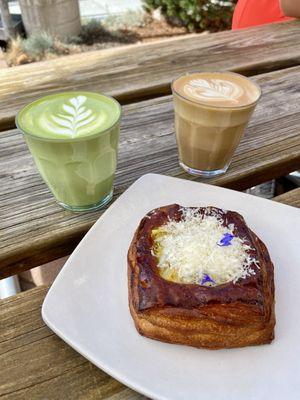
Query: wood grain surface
x=142, y=71
x=37, y=365
x=291, y=198
x=36, y=230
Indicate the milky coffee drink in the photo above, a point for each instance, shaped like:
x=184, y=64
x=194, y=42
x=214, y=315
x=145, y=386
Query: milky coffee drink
x=73, y=138
x=212, y=110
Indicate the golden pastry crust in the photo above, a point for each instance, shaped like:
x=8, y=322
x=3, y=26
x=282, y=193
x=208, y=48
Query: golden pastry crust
x=224, y=316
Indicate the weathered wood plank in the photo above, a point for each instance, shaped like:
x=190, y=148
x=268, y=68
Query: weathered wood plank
x=139, y=72
x=291, y=198
x=36, y=364
x=35, y=230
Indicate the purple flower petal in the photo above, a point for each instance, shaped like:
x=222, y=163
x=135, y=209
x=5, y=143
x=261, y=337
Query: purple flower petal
x=206, y=278
x=226, y=240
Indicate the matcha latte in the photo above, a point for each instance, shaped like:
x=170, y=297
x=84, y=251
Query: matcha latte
x=73, y=138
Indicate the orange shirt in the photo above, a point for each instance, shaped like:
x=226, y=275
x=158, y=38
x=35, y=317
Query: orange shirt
x=257, y=12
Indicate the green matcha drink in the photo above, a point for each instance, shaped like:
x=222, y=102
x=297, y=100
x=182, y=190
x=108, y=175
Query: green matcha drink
x=73, y=138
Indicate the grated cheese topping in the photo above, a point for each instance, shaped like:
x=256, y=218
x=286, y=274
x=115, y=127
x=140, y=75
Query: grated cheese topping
x=199, y=249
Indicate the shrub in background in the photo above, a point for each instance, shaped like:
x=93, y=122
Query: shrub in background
x=130, y=19
x=96, y=32
x=196, y=15
x=38, y=44
x=44, y=46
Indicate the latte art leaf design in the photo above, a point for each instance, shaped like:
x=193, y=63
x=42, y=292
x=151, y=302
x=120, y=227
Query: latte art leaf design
x=73, y=117
x=214, y=89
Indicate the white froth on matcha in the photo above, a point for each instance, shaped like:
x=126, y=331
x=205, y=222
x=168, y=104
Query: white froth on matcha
x=199, y=249
x=73, y=119
x=69, y=115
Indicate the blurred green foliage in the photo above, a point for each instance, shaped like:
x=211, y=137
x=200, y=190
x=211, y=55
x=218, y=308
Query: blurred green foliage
x=196, y=15
x=38, y=44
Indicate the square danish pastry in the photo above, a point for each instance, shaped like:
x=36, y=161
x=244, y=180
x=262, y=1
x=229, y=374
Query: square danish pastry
x=199, y=276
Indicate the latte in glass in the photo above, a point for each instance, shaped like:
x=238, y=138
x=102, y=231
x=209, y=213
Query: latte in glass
x=73, y=138
x=212, y=110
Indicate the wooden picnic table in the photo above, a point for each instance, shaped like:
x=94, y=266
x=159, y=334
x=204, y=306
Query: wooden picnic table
x=34, y=363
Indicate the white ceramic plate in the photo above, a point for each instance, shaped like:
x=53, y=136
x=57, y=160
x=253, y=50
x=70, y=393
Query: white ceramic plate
x=87, y=304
